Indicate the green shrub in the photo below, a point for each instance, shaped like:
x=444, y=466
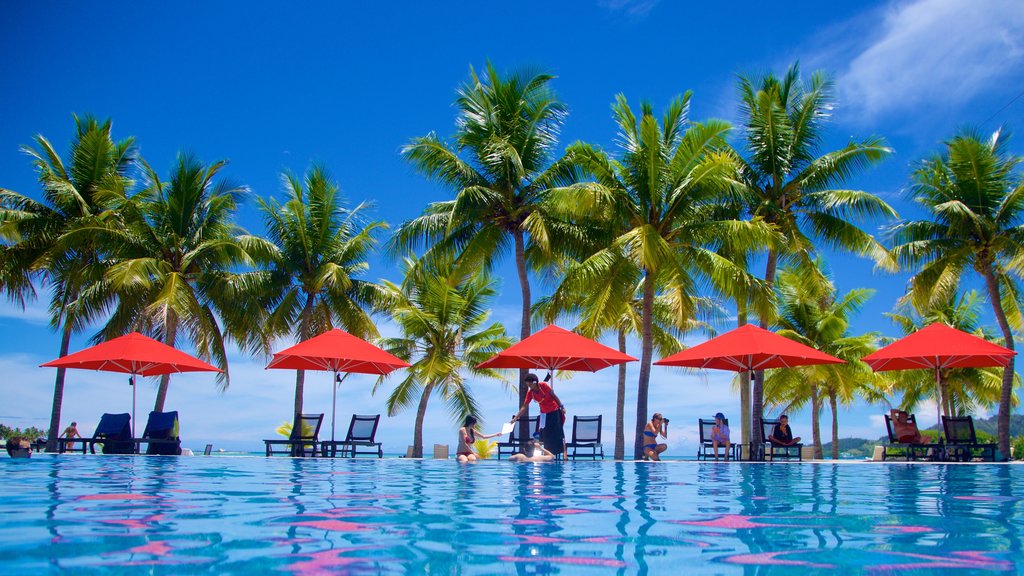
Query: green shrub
x=31, y=433
x=1017, y=448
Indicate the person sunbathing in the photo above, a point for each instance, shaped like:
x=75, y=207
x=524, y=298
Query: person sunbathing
x=904, y=430
x=534, y=452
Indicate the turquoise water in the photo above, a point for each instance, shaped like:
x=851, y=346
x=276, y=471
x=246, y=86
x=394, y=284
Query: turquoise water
x=157, y=515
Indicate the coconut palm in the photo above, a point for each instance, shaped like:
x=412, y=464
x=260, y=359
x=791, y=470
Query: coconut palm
x=499, y=168
x=174, y=244
x=444, y=317
x=615, y=305
x=315, y=250
x=964, y=390
x=974, y=201
x=663, y=201
x=795, y=187
x=811, y=313
x=74, y=190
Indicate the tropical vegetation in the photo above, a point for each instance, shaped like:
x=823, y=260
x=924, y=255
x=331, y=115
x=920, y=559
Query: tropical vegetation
x=973, y=200
x=446, y=332
x=645, y=242
x=795, y=187
x=813, y=313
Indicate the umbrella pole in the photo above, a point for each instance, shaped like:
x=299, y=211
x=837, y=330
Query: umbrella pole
x=938, y=401
x=131, y=381
x=334, y=403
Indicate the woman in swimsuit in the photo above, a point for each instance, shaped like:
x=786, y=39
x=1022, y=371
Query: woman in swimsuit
x=533, y=452
x=657, y=425
x=467, y=435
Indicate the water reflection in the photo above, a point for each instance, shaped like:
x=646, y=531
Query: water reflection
x=114, y=514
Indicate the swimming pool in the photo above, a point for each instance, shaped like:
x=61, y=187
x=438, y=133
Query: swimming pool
x=219, y=515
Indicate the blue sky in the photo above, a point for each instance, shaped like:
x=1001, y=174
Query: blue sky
x=275, y=86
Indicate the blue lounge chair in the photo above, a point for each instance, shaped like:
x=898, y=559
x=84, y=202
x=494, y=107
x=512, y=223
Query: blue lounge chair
x=161, y=434
x=114, y=433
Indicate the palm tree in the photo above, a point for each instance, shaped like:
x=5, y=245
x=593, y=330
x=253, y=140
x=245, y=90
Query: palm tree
x=975, y=219
x=616, y=305
x=314, y=252
x=445, y=334
x=796, y=188
x=663, y=201
x=73, y=191
x=964, y=390
x=499, y=168
x=811, y=313
x=174, y=244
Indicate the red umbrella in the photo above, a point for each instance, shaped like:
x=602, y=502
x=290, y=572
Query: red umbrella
x=337, y=351
x=555, y=348
x=938, y=346
x=746, y=349
x=133, y=354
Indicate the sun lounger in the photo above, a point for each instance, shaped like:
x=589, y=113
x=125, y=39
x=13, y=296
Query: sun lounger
x=161, y=434
x=362, y=433
x=513, y=444
x=962, y=442
x=586, y=436
x=304, y=439
x=774, y=451
x=911, y=451
x=440, y=451
x=705, y=449
x=114, y=433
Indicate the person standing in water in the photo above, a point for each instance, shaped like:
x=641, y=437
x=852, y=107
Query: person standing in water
x=464, y=451
x=552, y=413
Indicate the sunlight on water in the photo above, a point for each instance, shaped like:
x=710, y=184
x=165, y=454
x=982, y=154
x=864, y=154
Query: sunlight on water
x=111, y=515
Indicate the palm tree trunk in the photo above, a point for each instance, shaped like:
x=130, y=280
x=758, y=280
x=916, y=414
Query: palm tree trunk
x=757, y=402
x=834, y=405
x=58, y=392
x=300, y=385
x=421, y=411
x=816, y=422
x=620, y=404
x=1003, y=420
x=741, y=320
x=646, y=354
x=303, y=334
x=524, y=327
x=170, y=333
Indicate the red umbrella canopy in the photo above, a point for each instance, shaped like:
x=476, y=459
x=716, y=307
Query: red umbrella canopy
x=133, y=354
x=939, y=346
x=337, y=351
x=555, y=348
x=748, y=348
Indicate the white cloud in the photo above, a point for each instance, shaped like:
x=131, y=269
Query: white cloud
x=631, y=8
x=936, y=53
x=34, y=312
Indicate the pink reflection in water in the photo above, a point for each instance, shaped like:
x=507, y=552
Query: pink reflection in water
x=774, y=559
x=330, y=562
x=598, y=562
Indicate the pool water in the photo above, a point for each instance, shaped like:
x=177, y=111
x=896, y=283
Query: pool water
x=242, y=515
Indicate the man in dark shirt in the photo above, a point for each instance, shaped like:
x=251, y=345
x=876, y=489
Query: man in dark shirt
x=782, y=435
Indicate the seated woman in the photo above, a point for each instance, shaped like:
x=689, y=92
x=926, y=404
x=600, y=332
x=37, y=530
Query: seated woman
x=467, y=435
x=904, y=430
x=534, y=452
x=657, y=425
x=782, y=435
x=720, y=436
